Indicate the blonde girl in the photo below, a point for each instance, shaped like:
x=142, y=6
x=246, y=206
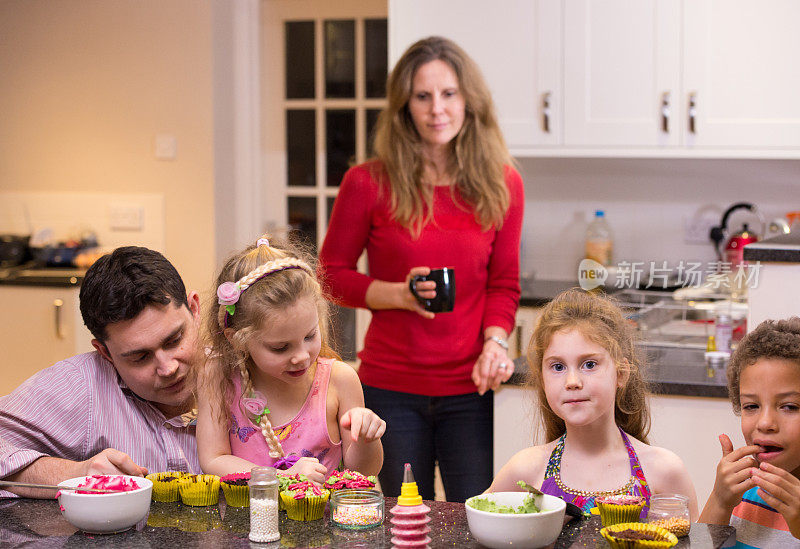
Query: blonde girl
x=592, y=398
x=272, y=391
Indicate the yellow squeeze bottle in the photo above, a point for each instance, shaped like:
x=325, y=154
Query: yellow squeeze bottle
x=410, y=515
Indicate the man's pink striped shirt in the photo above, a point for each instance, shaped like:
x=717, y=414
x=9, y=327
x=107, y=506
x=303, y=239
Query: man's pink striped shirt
x=79, y=407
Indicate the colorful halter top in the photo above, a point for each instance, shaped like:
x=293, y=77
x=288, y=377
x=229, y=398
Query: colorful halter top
x=636, y=485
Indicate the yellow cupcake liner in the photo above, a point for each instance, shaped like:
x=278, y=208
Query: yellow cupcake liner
x=236, y=495
x=165, y=491
x=611, y=514
x=665, y=537
x=199, y=492
x=308, y=508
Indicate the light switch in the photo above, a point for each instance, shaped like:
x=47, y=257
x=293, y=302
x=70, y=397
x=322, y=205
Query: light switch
x=166, y=146
x=126, y=217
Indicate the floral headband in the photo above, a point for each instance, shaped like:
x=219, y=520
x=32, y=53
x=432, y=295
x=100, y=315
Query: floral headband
x=228, y=293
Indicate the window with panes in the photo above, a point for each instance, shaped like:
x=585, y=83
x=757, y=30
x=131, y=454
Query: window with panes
x=335, y=86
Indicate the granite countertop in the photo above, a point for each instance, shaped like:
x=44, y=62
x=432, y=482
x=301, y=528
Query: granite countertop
x=28, y=522
x=784, y=248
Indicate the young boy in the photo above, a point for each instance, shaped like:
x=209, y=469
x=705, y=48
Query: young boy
x=757, y=489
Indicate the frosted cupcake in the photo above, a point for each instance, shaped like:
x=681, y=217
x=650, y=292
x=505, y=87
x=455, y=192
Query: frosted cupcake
x=634, y=535
x=165, y=486
x=349, y=480
x=283, y=484
x=236, y=489
x=304, y=500
x=199, y=490
x=619, y=508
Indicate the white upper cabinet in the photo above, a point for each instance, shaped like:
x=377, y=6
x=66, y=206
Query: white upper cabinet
x=677, y=78
x=740, y=63
x=516, y=43
x=622, y=72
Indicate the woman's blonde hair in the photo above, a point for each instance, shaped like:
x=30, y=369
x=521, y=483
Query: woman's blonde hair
x=262, y=302
x=478, y=152
x=601, y=321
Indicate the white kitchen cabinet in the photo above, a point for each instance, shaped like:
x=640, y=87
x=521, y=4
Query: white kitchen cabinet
x=516, y=43
x=622, y=73
x=740, y=64
x=39, y=326
x=676, y=78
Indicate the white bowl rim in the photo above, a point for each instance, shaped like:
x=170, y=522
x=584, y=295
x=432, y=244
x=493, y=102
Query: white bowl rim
x=73, y=482
x=561, y=507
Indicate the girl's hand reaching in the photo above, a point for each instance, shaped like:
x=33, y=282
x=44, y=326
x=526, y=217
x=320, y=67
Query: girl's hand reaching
x=310, y=467
x=362, y=423
x=781, y=490
x=734, y=473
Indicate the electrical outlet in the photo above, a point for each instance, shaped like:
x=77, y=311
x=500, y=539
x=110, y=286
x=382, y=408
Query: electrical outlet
x=126, y=217
x=697, y=230
x=166, y=147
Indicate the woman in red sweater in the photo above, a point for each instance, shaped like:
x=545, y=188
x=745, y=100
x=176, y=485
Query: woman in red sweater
x=441, y=193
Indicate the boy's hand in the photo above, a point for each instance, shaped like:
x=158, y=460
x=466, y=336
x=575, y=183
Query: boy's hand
x=310, y=467
x=733, y=473
x=781, y=490
x=362, y=423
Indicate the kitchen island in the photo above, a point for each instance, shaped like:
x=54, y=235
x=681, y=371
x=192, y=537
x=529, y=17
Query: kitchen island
x=28, y=522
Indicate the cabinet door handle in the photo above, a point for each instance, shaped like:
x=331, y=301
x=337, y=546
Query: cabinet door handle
x=546, y=112
x=692, y=112
x=57, y=306
x=520, y=350
x=665, y=112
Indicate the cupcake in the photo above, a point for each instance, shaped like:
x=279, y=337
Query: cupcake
x=632, y=535
x=283, y=484
x=304, y=500
x=620, y=508
x=165, y=486
x=199, y=490
x=349, y=480
x=236, y=489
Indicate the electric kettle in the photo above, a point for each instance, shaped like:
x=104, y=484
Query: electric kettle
x=733, y=250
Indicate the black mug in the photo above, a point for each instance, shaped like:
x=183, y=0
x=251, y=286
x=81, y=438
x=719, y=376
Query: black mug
x=445, y=299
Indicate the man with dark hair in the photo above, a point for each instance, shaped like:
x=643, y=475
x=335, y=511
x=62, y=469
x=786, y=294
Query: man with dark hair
x=125, y=407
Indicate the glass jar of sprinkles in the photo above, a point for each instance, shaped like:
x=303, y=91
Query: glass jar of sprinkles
x=264, y=505
x=357, y=509
x=670, y=511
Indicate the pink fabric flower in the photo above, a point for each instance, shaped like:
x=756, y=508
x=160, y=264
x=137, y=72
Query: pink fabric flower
x=254, y=406
x=228, y=293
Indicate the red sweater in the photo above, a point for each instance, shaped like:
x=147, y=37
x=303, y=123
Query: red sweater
x=402, y=350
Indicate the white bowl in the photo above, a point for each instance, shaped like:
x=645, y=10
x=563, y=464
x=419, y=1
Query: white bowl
x=528, y=531
x=105, y=513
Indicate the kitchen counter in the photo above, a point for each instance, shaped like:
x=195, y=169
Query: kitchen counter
x=25, y=522
x=784, y=248
x=50, y=277
x=538, y=293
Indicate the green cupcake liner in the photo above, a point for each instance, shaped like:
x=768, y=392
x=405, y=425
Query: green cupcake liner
x=308, y=508
x=611, y=514
x=236, y=495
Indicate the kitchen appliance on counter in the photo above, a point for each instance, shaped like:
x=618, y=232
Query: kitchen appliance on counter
x=737, y=241
x=13, y=249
